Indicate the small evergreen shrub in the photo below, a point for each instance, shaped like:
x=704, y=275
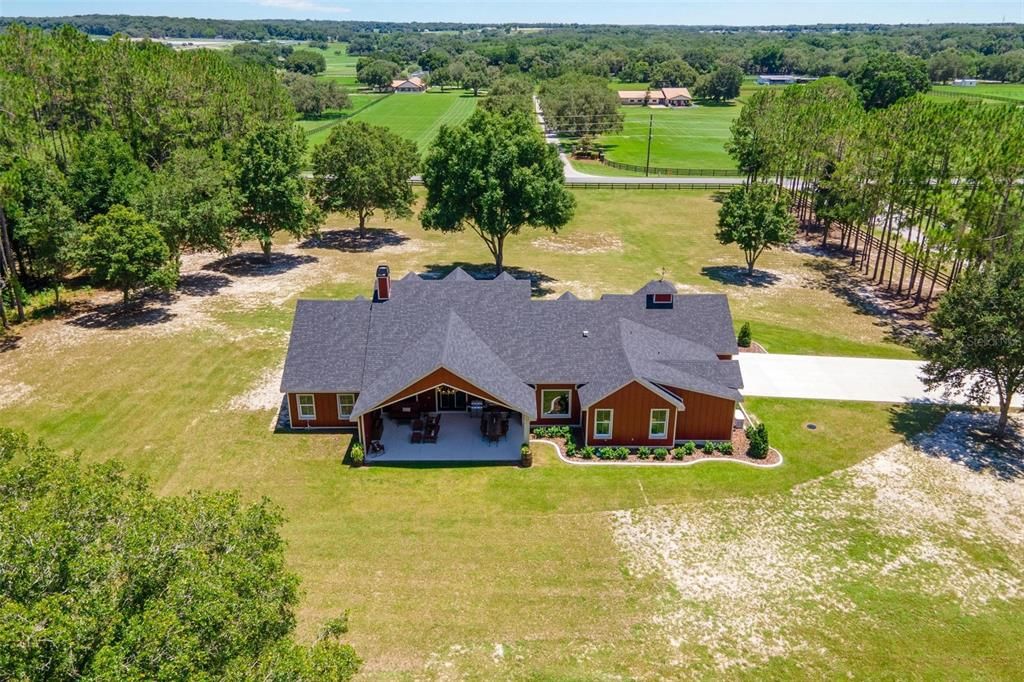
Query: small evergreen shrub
x=757, y=436
x=622, y=453
x=570, y=448
x=689, y=447
x=606, y=453
x=725, y=448
x=357, y=454
x=587, y=452
x=660, y=454
x=743, y=338
x=678, y=453
x=709, y=447
x=643, y=452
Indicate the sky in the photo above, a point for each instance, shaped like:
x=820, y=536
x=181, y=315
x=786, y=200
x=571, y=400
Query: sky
x=728, y=12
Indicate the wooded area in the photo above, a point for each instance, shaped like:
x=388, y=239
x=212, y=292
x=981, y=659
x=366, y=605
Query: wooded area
x=918, y=192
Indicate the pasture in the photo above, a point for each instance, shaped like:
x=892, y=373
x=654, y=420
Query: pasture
x=553, y=572
x=1002, y=91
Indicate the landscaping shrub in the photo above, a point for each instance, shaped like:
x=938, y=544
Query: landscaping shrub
x=570, y=448
x=622, y=453
x=660, y=454
x=643, y=452
x=689, y=447
x=357, y=454
x=678, y=453
x=606, y=453
x=757, y=436
x=743, y=338
x=709, y=447
x=725, y=448
x=587, y=452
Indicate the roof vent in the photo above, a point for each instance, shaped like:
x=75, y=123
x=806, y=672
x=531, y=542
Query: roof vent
x=586, y=333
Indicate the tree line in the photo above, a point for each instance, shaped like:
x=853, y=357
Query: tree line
x=917, y=192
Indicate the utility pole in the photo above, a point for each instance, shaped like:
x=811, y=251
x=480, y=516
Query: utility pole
x=650, y=133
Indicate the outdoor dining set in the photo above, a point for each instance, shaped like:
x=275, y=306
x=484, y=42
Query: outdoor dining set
x=425, y=429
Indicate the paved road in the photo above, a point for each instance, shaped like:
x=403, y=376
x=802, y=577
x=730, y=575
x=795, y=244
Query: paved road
x=575, y=177
x=832, y=378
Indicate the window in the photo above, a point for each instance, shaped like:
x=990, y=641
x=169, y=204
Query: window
x=603, y=424
x=345, y=403
x=659, y=423
x=307, y=406
x=555, y=403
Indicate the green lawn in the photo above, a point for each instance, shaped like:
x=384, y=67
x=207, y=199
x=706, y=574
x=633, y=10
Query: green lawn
x=1013, y=91
x=341, y=66
x=492, y=572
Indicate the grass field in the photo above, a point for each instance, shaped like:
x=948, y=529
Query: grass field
x=415, y=117
x=1013, y=91
x=544, y=573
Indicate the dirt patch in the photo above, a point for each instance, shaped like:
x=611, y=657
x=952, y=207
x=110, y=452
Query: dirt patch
x=748, y=575
x=265, y=393
x=13, y=393
x=580, y=244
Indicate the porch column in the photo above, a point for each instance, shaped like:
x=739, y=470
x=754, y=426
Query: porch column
x=526, y=427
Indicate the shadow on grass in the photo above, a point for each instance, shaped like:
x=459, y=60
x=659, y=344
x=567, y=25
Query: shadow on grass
x=902, y=319
x=147, y=312
x=9, y=341
x=735, y=275
x=202, y=283
x=250, y=264
x=539, y=282
x=442, y=465
x=962, y=435
x=354, y=241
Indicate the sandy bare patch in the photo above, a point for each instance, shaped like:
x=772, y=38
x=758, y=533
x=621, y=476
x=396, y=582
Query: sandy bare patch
x=13, y=393
x=748, y=575
x=265, y=393
x=580, y=244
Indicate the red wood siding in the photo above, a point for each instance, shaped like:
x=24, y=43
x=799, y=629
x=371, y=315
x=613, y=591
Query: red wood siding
x=631, y=417
x=437, y=377
x=326, y=412
x=705, y=417
x=574, y=408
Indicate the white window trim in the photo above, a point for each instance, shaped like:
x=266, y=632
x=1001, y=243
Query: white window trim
x=611, y=422
x=298, y=404
x=347, y=417
x=650, y=426
x=568, y=394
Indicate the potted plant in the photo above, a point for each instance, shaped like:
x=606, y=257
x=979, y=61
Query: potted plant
x=525, y=455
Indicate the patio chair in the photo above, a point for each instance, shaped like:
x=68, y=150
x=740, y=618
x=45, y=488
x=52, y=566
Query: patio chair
x=376, y=447
x=416, y=437
x=430, y=435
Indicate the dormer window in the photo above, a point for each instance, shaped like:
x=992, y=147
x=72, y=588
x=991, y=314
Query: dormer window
x=655, y=301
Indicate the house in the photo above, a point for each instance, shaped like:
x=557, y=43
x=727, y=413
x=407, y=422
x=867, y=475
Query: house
x=966, y=82
x=410, y=84
x=650, y=368
x=765, y=79
x=669, y=97
x=676, y=97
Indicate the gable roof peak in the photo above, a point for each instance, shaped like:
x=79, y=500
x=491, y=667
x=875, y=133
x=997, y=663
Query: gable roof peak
x=458, y=275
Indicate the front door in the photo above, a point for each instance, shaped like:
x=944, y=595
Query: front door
x=450, y=399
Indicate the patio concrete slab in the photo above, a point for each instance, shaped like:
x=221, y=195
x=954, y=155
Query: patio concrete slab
x=836, y=378
x=458, y=441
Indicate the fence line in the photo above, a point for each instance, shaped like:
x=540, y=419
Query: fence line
x=588, y=184
x=977, y=95
x=678, y=172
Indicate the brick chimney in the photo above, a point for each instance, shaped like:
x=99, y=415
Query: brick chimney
x=382, y=286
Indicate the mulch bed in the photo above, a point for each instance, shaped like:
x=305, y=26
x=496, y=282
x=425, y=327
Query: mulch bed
x=755, y=347
x=739, y=454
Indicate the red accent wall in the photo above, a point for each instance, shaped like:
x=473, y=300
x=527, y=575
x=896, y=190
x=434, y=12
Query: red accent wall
x=706, y=417
x=574, y=408
x=326, y=412
x=631, y=417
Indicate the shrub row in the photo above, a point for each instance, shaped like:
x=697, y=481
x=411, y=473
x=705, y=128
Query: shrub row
x=643, y=452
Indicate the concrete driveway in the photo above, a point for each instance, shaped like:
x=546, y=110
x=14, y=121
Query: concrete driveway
x=833, y=378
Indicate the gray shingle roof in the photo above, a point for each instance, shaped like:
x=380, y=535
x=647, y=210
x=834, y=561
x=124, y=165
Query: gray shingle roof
x=493, y=335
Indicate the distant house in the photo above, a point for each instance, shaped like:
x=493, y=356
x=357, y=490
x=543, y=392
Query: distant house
x=765, y=79
x=651, y=368
x=667, y=97
x=676, y=97
x=966, y=82
x=410, y=84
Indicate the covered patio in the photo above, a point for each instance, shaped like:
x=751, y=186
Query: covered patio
x=459, y=439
